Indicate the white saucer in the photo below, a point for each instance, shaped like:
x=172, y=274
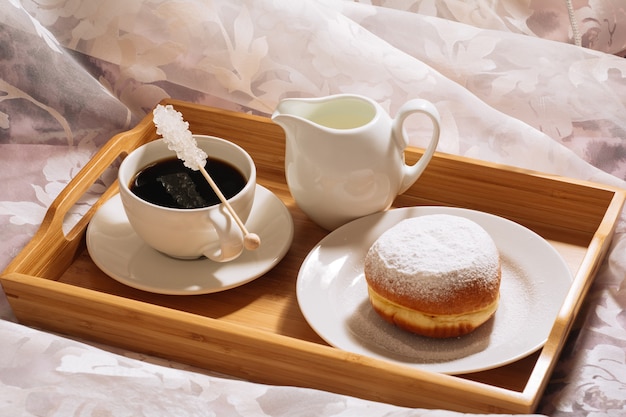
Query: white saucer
x=535, y=282
x=120, y=253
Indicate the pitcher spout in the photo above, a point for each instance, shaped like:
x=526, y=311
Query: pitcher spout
x=337, y=112
x=291, y=113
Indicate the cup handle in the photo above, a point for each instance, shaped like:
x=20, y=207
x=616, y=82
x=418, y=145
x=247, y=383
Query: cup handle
x=230, y=237
x=412, y=172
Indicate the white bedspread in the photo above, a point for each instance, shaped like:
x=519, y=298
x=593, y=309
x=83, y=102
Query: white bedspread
x=510, y=83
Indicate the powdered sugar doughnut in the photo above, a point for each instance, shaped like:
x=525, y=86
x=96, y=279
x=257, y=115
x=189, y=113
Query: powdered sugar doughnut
x=436, y=275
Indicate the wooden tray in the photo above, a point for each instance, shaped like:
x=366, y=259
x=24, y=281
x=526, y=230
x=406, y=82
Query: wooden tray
x=257, y=331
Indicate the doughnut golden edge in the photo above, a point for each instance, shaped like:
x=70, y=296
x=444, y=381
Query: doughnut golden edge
x=437, y=326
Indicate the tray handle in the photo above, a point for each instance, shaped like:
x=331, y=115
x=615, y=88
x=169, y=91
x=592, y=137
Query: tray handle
x=56, y=249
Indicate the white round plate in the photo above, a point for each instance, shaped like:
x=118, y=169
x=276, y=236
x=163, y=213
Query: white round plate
x=332, y=294
x=120, y=253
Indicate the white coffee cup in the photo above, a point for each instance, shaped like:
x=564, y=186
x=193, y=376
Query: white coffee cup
x=189, y=233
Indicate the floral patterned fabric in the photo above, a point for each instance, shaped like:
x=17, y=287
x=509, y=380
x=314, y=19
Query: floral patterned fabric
x=594, y=24
x=507, y=76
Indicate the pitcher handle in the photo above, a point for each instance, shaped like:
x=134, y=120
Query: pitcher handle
x=412, y=172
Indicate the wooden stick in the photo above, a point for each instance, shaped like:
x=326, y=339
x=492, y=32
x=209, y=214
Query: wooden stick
x=175, y=131
x=251, y=241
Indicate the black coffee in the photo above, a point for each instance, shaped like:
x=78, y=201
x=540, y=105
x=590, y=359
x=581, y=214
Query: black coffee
x=170, y=183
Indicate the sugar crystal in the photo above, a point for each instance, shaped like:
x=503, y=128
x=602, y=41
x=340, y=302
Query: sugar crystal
x=175, y=132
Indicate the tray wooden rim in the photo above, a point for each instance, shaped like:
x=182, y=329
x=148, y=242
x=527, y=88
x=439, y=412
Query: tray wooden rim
x=26, y=275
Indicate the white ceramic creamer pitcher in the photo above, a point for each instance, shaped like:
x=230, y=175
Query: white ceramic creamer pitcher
x=345, y=155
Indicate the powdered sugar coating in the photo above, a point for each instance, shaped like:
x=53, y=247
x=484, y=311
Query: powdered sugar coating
x=433, y=259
